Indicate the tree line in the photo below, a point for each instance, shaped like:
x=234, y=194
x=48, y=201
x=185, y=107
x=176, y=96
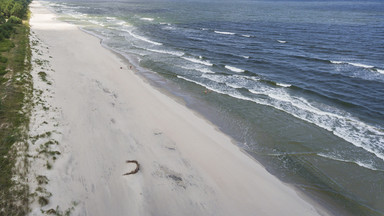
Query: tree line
x=11, y=12
x=17, y=8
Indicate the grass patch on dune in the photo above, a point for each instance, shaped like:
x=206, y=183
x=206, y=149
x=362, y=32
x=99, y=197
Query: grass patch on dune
x=15, y=105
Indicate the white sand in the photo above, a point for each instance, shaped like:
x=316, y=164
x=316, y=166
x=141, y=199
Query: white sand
x=110, y=115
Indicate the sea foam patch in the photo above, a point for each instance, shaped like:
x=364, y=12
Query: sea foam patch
x=147, y=19
x=144, y=39
x=224, y=33
x=234, y=69
x=284, y=85
x=199, y=61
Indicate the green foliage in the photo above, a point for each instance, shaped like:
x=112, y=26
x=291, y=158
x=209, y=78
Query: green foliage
x=16, y=8
x=6, y=30
x=2, y=19
x=43, y=76
x=6, y=45
x=2, y=70
x=42, y=180
x=14, y=20
x=15, y=63
x=3, y=59
x=43, y=201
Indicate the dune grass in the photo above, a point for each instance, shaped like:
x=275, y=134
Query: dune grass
x=15, y=106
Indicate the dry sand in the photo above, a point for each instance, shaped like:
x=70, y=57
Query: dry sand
x=106, y=115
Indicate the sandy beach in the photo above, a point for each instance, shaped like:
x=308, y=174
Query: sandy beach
x=104, y=114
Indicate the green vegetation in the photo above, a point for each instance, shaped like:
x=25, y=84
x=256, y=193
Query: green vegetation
x=58, y=212
x=14, y=20
x=43, y=201
x=15, y=93
x=17, y=8
x=42, y=180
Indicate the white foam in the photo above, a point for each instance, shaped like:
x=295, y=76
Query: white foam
x=234, y=69
x=337, y=62
x=279, y=97
x=362, y=164
x=252, y=78
x=174, y=53
x=353, y=64
x=169, y=27
x=339, y=122
x=198, y=61
x=144, y=39
x=281, y=41
x=215, y=78
x=203, y=70
x=121, y=23
x=246, y=57
x=234, y=81
x=193, y=81
x=225, y=33
x=147, y=19
x=361, y=65
x=283, y=85
x=234, y=85
x=96, y=22
x=232, y=94
x=248, y=36
x=380, y=71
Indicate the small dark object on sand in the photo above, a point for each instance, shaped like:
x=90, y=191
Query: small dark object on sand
x=137, y=167
x=121, y=67
x=51, y=211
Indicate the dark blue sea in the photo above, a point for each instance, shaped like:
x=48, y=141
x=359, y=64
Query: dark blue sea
x=298, y=84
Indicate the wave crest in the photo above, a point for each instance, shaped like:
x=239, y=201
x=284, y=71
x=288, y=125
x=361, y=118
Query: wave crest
x=234, y=69
x=207, y=63
x=144, y=39
x=225, y=33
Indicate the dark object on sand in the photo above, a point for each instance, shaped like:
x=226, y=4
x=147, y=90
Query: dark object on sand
x=137, y=167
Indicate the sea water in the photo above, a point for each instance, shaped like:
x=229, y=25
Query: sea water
x=298, y=84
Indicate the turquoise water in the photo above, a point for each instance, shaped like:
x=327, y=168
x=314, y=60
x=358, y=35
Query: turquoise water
x=299, y=84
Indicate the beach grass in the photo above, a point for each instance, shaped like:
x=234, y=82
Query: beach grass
x=15, y=106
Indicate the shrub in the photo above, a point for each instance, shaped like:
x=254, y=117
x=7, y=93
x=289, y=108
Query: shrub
x=6, y=45
x=4, y=33
x=3, y=59
x=14, y=20
x=3, y=70
x=43, y=201
x=6, y=30
x=2, y=19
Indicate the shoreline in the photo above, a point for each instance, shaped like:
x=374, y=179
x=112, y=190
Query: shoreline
x=204, y=186
x=323, y=204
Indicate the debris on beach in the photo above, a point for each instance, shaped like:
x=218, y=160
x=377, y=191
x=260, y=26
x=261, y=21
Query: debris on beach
x=135, y=170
